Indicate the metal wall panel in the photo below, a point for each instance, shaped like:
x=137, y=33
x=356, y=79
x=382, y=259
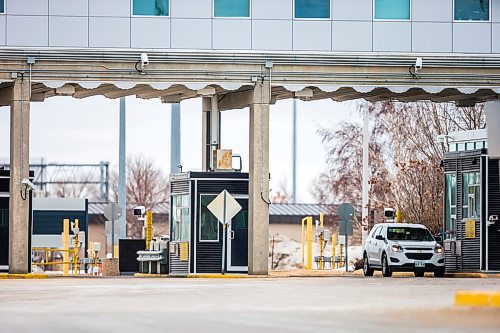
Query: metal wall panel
x=495, y=48
x=494, y=209
x=69, y=8
x=275, y=9
x=120, y=8
x=27, y=7
x=432, y=10
x=432, y=37
x=469, y=37
x=3, y=24
x=27, y=30
x=352, y=10
x=271, y=35
x=495, y=10
x=191, y=34
x=232, y=34
x=191, y=9
x=392, y=36
x=351, y=36
x=68, y=31
x=312, y=35
x=150, y=32
x=108, y=32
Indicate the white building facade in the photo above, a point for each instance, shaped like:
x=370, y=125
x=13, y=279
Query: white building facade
x=417, y=26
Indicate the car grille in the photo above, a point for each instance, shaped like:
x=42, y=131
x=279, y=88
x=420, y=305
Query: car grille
x=419, y=256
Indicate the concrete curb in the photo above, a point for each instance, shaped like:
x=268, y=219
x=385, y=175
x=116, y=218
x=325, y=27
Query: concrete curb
x=477, y=298
x=23, y=276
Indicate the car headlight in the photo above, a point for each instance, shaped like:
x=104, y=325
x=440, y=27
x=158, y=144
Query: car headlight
x=396, y=248
x=438, y=249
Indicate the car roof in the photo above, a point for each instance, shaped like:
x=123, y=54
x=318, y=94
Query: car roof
x=412, y=225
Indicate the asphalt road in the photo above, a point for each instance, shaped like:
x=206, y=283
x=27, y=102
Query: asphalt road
x=340, y=304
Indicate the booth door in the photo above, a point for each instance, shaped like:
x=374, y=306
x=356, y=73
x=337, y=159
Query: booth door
x=494, y=246
x=237, y=240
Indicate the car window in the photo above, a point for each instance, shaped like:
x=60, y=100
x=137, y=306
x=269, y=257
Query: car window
x=409, y=234
x=381, y=231
x=375, y=232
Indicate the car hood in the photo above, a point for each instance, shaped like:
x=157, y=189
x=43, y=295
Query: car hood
x=406, y=244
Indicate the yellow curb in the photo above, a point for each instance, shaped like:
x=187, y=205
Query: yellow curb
x=140, y=275
x=221, y=276
x=23, y=276
x=468, y=275
x=477, y=298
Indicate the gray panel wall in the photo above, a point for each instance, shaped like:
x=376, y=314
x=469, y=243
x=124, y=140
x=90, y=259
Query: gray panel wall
x=191, y=25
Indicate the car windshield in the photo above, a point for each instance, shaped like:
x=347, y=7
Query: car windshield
x=409, y=234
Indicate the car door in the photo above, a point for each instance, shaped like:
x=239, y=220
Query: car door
x=380, y=245
x=371, y=246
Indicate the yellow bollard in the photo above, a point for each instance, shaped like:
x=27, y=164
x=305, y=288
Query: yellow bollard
x=321, y=263
x=399, y=216
x=65, y=238
x=75, y=251
x=334, y=245
x=302, y=235
x=149, y=229
x=309, y=241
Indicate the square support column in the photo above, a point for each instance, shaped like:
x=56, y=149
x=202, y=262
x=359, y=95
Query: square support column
x=19, y=219
x=258, y=206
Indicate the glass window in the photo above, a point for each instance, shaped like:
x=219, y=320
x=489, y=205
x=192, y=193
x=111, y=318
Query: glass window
x=2, y=6
x=460, y=146
x=180, y=218
x=151, y=7
x=209, y=225
x=4, y=218
x=450, y=204
x=232, y=8
x=312, y=9
x=472, y=10
x=471, y=195
x=392, y=9
x=409, y=234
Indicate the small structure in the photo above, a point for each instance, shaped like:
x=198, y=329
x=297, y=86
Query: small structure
x=196, y=234
x=472, y=204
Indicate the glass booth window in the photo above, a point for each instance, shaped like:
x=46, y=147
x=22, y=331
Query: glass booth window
x=312, y=9
x=181, y=219
x=450, y=204
x=472, y=10
x=471, y=195
x=232, y=8
x=209, y=225
x=150, y=7
x=392, y=9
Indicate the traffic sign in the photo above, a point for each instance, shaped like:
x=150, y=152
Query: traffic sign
x=224, y=207
x=346, y=212
x=345, y=228
x=112, y=211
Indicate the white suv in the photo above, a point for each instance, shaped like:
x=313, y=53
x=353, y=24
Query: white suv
x=394, y=247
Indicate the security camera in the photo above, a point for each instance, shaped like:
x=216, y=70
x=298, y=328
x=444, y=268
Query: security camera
x=144, y=60
x=139, y=210
x=419, y=63
x=493, y=218
x=29, y=185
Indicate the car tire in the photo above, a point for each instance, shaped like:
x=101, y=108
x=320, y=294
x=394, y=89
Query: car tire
x=386, y=269
x=419, y=274
x=367, y=270
x=439, y=273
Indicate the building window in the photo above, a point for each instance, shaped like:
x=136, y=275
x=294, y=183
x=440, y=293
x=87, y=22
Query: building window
x=472, y=10
x=450, y=204
x=392, y=9
x=232, y=8
x=209, y=225
x=2, y=6
x=311, y=9
x=180, y=218
x=471, y=195
x=150, y=7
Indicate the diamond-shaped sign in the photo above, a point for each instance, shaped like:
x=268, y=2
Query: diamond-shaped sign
x=224, y=207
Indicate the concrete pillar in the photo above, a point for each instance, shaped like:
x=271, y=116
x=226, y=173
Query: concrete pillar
x=258, y=221
x=19, y=256
x=175, y=137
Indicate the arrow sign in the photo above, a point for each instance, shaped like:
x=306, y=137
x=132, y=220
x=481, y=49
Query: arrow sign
x=224, y=207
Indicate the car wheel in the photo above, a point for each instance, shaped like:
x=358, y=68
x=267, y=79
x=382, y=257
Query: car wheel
x=386, y=269
x=439, y=273
x=419, y=274
x=367, y=270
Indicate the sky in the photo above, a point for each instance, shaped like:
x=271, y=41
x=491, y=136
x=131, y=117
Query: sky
x=68, y=130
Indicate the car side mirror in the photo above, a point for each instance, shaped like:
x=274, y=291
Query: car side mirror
x=379, y=237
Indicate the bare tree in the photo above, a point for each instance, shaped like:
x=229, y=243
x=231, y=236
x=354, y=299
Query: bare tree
x=146, y=186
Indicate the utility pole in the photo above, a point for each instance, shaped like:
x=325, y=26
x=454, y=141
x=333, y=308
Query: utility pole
x=366, y=176
x=175, y=137
x=294, y=152
x=122, y=187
